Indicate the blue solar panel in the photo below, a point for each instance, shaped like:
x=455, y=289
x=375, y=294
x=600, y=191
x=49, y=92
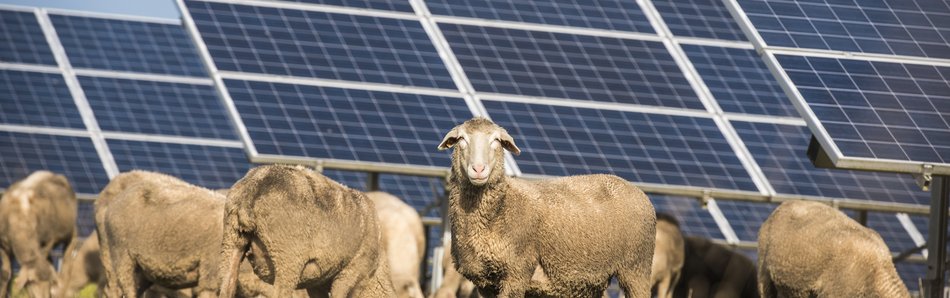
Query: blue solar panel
x=911, y=274
x=349, y=124
x=900, y=27
x=605, y=14
x=127, y=45
x=699, y=18
x=746, y=217
x=693, y=220
x=151, y=107
x=570, y=66
x=207, y=166
x=653, y=148
x=394, y=5
x=23, y=39
x=41, y=99
x=320, y=45
x=73, y=157
x=86, y=218
x=877, y=109
x=891, y=230
x=418, y=192
x=780, y=151
x=740, y=81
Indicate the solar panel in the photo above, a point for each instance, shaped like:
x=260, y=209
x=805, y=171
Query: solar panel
x=74, y=157
x=899, y=27
x=151, y=107
x=86, y=218
x=207, y=166
x=780, y=151
x=740, y=81
x=699, y=18
x=122, y=45
x=23, y=39
x=40, y=99
x=581, y=67
x=877, y=110
x=394, y=5
x=349, y=124
x=911, y=273
x=418, y=192
x=606, y=14
x=653, y=148
x=313, y=44
x=746, y=217
x=693, y=220
x=890, y=229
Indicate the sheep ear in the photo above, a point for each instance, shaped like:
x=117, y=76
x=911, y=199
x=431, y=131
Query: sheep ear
x=509, y=143
x=450, y=139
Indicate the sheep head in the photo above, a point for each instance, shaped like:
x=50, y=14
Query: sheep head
x=478, y=151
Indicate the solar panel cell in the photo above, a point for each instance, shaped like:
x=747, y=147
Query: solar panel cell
x=393, y=5
x=207, y=166
x=23, y=39
x=558, y=65
x=127, y=45
x=319, y=45
x=746, y=217
x=652, y=148
x=151, y=107
x=73, y=157
x=606, y=14
x=350, y=124
x=41, y=99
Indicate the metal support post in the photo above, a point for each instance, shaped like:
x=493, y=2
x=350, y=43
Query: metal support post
x=863, y=217
x=937, y=242
x=372, y=181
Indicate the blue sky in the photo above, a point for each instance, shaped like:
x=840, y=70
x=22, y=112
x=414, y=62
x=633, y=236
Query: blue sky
x=152, y=8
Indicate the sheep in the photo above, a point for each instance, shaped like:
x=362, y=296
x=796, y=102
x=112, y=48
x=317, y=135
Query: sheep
x=571, y=234
x=811, y=249
x=36, y=214
x=713, y=270
x=303, y=230
x=403, y=236
x=668, y=256
x=159, y=230
x=453, y=283
x=84, y=267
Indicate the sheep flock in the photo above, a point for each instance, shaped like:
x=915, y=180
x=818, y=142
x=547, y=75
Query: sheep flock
x=290, y=231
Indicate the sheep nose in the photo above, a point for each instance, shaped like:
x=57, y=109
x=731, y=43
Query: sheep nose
x=478, y=168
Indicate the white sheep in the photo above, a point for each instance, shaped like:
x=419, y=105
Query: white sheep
x=809, y=249
x=403, y=235
x=556, y=237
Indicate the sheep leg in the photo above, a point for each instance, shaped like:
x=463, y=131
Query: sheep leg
x=766, y=287
x=125, y=275
x=285, y=283
x=635, y=281
x=319, y=292
x=663, y=287
x=6, y=272
x=235, y=245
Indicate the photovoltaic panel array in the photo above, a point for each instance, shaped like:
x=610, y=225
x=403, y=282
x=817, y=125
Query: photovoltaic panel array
x=122, y=45
x=418, y=192
x=208, y=166
x=570, y=66
x=37, y=99
x=348, y=124
x=275, y=41
x=23, y=39
x=878, y=110
x=152, y=107
x=692, y=219
x=740, y=81
x=780, y=150
x=898, y=27
x=73, y=157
